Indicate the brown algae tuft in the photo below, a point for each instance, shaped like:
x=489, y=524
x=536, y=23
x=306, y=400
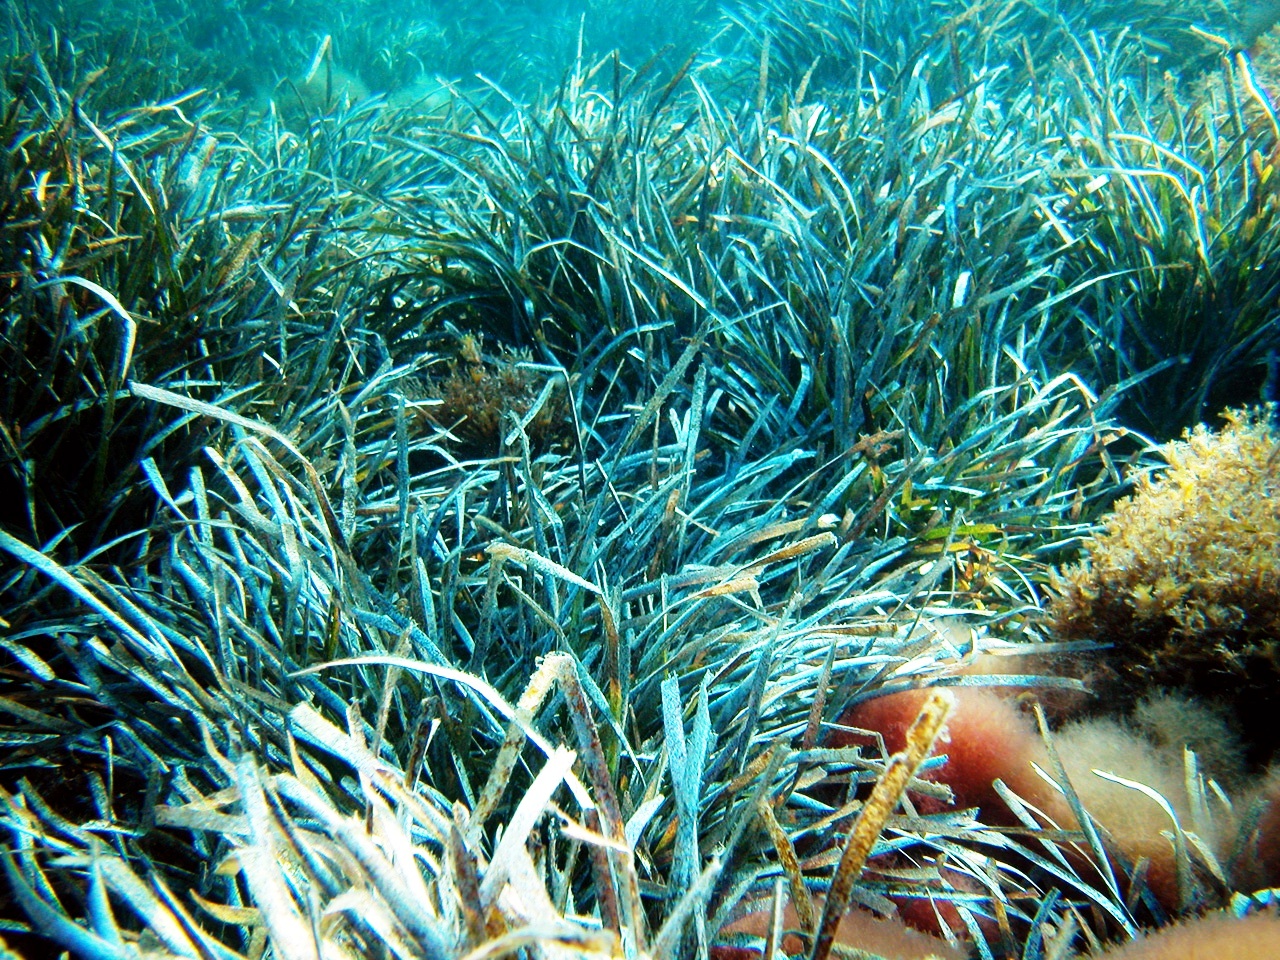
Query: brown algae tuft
x=1184, y=577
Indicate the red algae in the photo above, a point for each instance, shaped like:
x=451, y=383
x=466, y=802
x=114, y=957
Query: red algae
x=885, y=937
x=987, y=737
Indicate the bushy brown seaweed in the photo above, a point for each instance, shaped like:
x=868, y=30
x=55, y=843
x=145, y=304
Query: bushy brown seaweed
x=480, y=391
x=1184, y=577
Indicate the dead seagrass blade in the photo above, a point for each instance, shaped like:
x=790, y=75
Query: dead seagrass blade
x=875, y=813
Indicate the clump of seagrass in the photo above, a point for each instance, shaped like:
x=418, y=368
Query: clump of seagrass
x=1184, y=577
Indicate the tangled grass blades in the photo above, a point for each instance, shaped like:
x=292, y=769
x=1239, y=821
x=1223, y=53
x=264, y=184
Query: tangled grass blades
x=449, y=522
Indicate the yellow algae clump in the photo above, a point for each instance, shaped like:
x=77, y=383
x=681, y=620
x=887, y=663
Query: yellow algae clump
x=1184, y=578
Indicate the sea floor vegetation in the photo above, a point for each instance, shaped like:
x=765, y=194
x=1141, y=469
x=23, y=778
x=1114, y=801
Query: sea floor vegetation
x=465, y=470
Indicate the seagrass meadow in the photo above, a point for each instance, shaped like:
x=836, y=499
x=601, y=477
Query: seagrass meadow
x=459, y=465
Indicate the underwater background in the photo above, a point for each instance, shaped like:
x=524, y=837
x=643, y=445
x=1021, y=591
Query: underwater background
x=555, y=479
